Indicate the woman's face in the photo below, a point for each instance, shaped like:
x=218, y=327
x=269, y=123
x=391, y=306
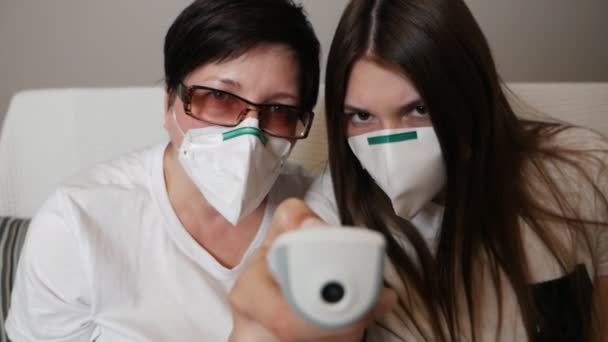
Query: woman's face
x=378, y=97
x=265, y=74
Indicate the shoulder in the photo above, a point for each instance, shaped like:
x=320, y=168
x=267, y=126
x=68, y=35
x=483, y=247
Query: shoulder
x=105, y=192
x=570, y=166
x=578, y=188
x=322, y=187
x=51, y=274
x=321, y=197
x=96, y=203
x=116, y=180
x=129, y=169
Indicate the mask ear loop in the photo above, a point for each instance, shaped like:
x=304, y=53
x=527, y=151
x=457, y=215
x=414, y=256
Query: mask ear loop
x=180, y=150
x=177, y=123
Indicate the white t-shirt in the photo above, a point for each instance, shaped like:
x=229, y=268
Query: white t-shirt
x=322, y=200
x=107, y=259
x=542, y=265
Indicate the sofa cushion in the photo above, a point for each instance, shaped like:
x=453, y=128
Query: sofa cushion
x=12, y=235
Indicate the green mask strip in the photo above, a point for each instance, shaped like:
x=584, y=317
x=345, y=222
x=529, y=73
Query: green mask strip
x=243, y=131
x=391, y=138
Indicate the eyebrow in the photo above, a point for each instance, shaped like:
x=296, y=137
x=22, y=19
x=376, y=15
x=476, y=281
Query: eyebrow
x=353, y=109
x=282, y=96
x=229, y=82
x=235, y=85
x=406, y=107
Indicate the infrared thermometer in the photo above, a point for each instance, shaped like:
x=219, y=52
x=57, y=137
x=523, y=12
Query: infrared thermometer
x=331, y=276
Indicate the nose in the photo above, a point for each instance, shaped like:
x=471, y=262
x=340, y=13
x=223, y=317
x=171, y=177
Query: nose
x=392, y=123
x=251, y=112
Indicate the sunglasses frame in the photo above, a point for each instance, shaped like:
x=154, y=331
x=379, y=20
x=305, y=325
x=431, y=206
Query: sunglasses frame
x=185, y=94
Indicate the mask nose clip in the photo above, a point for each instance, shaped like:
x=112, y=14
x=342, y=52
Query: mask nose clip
x=244, y=115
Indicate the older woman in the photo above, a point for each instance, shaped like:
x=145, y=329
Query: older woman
x=146, y=247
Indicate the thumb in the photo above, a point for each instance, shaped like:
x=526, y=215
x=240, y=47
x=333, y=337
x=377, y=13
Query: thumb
x=291, y=214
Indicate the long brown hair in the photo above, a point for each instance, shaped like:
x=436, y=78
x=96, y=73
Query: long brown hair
x=491, y=157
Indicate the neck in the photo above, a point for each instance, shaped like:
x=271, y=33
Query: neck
x=183, y=193
x=206, y=225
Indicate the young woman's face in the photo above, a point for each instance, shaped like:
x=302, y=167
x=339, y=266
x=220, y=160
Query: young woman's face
x=378, y=97
x=267, y=74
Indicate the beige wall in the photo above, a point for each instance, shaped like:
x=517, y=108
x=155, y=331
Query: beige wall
x=546, y=40
x=72, y=43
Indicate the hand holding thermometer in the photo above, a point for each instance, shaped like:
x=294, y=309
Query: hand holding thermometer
x=331, y=276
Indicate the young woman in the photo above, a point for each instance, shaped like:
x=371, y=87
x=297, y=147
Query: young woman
x=496, y=225
x=146, y=247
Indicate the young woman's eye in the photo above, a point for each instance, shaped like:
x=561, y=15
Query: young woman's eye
x=421, y=110
x=360, y=117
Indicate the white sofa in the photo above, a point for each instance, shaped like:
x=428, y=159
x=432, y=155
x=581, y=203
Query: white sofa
x=49, y=135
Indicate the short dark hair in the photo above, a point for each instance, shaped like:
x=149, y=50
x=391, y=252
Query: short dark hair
x=210, y=31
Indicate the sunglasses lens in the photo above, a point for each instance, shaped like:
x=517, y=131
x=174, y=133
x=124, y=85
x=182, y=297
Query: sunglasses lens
x=222, y=108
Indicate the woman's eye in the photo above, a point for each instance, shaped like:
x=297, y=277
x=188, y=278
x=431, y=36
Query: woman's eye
x=421, y=110
x=218, y=95
x=277, y=108
x=360, y=117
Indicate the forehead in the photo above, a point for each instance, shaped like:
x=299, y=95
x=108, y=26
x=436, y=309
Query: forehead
x=267, y=67
x=371, y=83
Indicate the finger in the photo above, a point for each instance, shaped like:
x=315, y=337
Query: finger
x=264, y=300
x=256, y=295
x=288, y=325
x=290, y=215
x=386, y=303
x=265, y=304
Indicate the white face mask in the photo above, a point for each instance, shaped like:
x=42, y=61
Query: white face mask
x=407, y=165
x=233, y=167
